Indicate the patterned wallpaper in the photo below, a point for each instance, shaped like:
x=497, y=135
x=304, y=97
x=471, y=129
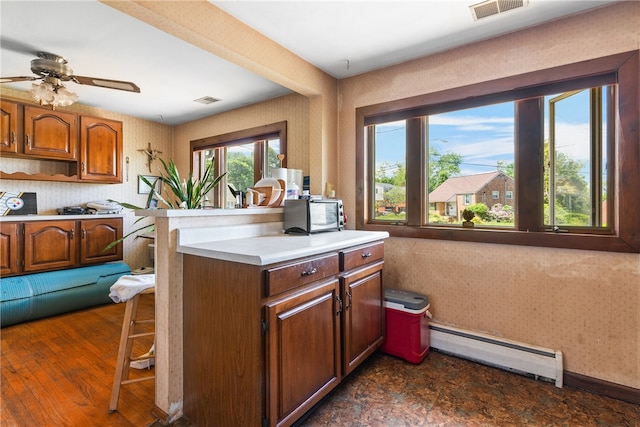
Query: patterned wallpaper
x=586, y=304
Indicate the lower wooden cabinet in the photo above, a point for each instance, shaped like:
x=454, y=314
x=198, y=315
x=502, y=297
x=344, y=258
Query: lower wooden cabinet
x=95, y=235
x=9, y=248
x=363, y=314
x=49, y=245
x=35, y=246
x=303, y=346
x=264, y=344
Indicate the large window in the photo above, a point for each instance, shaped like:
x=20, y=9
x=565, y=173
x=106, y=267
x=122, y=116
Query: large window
x=538, y=158
x=246, y=157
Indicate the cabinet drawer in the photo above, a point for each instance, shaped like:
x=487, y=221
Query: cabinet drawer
x=361, y=255
x=283, y=278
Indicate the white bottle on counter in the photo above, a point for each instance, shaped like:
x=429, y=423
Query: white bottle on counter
x=293, y=191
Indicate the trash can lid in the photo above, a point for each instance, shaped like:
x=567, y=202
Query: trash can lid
x=408, y=299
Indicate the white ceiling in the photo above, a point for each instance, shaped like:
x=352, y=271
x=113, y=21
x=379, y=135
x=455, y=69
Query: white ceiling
x=343, y=38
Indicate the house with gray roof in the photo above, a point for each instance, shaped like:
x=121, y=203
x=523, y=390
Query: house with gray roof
x=451, y=197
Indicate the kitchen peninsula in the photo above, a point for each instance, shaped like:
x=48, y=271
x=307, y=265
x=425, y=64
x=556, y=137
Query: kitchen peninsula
x=253, y=327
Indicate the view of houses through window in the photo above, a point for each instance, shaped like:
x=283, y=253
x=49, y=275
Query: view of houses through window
x=244, y=163
x=470, y=163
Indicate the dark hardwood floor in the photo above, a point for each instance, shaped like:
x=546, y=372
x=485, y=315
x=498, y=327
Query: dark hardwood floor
x=59, y=372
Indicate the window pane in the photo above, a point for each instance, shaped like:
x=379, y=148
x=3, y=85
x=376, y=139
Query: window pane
x=471, y=165
x=273, y=149
x=240, y=166
x=390, y=192
x=574, y=157
x=207, y=157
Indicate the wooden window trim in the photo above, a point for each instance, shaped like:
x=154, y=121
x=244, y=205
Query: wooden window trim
x=624, y=68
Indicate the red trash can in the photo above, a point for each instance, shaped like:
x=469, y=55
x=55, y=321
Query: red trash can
x=407, y=325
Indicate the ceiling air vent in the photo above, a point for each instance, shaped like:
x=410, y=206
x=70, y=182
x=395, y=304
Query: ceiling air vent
x=494, y=7
x=206, y=100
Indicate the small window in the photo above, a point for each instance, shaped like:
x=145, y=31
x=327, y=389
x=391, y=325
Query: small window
x=509, y=195
x=467, y=199
x=495, y=195
x=245, y=156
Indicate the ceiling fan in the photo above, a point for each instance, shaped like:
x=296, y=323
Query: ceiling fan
x=52, y=69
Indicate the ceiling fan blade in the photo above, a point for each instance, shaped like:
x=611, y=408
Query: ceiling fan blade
x=18, y=46
x=18, y=79
x=106, y=83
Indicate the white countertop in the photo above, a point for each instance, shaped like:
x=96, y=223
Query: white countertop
x=270, y=248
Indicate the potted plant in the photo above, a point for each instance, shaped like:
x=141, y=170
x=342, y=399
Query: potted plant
x=182, y=194
x=468, y=215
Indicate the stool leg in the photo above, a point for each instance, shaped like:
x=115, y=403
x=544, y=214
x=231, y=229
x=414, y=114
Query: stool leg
x=124, y=351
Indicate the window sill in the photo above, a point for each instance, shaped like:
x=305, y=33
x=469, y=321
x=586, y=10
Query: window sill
x=593, y=242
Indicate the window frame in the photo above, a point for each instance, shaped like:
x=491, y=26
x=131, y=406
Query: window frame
x=624, y=236
x=257, y=135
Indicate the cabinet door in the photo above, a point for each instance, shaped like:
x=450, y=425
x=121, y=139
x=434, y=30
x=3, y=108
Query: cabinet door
x=9, y=127
x=49, y=245
x=363, y=315
x=95, y=235
x=303, y=351
x=9, y=248
x=101, y=150
x=50, y=134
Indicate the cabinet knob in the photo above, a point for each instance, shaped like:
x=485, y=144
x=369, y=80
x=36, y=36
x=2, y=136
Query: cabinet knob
x=82, y=166
x=73, y=234
x=84, y=233
x=309, y=272
x=366, y=255
x=28, y=142
x=13, y=138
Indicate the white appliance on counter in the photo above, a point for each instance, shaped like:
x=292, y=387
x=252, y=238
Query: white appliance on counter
x=103, y=207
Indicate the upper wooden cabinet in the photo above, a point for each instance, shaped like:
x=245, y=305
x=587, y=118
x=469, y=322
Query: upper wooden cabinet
x=88, y=148
x=9, y=123
x=101, y=149
x=50, y=134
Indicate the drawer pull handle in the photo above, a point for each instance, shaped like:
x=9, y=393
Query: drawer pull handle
x=366, y=255
x=13, y=138
x=309, y=272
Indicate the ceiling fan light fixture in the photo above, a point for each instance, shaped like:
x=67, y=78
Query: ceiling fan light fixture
x=52, y=93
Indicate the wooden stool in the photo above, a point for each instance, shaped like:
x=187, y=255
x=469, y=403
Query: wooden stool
x=126, y=345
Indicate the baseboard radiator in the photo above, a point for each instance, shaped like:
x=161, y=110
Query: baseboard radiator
x=542, y=363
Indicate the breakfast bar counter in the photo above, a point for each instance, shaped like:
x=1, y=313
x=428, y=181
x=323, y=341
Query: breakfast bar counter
x=268, y=245
x=274, y=321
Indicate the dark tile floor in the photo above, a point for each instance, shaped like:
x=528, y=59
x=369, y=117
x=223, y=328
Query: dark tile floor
x=448, y=391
